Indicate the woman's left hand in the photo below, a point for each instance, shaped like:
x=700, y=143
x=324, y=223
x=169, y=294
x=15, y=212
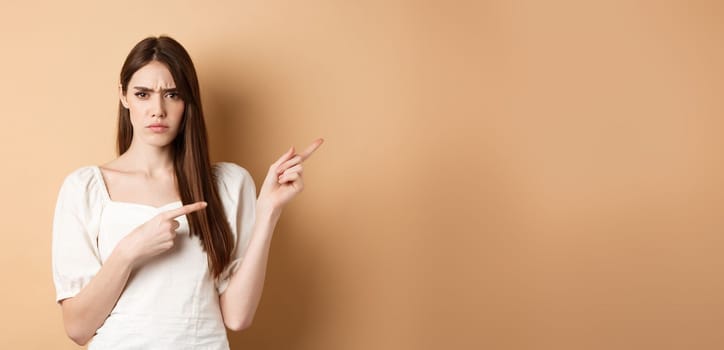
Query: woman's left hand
x=284, y=180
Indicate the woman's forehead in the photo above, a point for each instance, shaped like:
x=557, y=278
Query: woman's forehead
x=155, y=75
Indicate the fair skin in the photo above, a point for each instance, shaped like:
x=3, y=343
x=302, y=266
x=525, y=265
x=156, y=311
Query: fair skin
x=144, y=174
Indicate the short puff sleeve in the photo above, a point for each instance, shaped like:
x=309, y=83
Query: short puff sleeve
x=75, y=255
x=238, y=196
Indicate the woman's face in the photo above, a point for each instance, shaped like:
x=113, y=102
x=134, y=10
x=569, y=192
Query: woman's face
x=154, y=104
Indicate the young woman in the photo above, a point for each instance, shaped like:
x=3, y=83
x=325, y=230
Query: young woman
x=158, y=248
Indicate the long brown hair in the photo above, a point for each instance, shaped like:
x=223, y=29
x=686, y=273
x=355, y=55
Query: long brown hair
x=195, y=178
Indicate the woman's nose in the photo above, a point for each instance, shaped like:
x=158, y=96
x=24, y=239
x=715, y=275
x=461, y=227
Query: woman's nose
x=159, y=109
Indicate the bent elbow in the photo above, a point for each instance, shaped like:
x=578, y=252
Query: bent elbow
x=78, y=330
x=239, y=325
x=77, y=333
x=78, y=337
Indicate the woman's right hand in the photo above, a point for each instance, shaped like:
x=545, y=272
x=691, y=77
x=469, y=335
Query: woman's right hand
x=155, y=236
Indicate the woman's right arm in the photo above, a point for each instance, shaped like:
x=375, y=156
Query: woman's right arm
x=85, y=312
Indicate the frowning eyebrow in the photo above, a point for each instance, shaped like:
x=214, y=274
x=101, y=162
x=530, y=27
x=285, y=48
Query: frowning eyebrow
x=145, y=89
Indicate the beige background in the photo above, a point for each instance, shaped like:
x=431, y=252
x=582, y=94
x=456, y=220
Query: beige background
x=496, y=174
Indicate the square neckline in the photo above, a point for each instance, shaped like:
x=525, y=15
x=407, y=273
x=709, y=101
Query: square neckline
x=107, y=194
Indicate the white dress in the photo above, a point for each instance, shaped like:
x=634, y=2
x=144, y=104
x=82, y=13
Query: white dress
x=171, y=302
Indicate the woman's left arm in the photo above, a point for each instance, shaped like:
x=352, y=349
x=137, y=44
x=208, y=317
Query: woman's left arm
x=241, y=298
x=283, y=181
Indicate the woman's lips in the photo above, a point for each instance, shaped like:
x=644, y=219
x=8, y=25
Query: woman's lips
x=158, y=128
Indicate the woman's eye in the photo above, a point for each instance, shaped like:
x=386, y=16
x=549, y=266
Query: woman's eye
x=173, y=95
x=140, y=94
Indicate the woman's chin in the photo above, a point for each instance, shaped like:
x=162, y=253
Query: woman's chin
x=159, y=142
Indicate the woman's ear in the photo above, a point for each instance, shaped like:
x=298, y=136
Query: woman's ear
x=124, y=101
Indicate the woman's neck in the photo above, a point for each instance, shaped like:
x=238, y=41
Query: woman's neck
x=150, y=160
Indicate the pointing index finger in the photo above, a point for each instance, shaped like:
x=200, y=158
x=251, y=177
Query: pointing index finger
x=186, y=209
x=311, y=148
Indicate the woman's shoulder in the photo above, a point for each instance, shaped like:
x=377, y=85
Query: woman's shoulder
x=82, y=184
x=229, y=171
x=234, y=182
x=81, y=175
